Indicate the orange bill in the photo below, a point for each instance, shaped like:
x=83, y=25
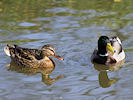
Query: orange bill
x=58, y=57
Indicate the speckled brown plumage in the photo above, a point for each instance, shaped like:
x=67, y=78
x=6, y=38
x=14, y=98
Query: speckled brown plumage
x=33, y=58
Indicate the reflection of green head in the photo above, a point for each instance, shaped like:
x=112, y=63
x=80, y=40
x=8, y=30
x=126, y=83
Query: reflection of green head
x=104, y=81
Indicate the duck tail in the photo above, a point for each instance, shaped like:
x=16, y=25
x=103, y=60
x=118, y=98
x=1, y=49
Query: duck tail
x=7, y=49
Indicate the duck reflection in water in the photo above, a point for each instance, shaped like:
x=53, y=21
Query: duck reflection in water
x=32, y=71
x=104, y=80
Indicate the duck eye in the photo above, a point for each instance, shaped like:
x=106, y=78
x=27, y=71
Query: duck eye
x=51, y=50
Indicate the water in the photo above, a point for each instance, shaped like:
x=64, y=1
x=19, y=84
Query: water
x=73, y=27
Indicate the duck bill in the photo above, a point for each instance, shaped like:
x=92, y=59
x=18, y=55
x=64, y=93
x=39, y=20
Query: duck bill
x=58, y=57
x=110, y=48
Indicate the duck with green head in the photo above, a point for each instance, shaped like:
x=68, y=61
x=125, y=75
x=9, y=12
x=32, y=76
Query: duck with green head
x=109, y=51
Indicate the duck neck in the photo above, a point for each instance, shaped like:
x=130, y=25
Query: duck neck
x=43, y=55
x=102, y=51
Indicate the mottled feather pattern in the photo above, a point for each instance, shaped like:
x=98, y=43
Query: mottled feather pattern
x=20, y=57
x=34, y=52
x=29, y=57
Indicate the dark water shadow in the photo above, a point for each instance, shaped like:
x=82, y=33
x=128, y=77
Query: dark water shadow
x=33, y=71
x=104, y=80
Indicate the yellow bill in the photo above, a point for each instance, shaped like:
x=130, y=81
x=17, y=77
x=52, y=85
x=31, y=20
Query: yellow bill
x=110, y=48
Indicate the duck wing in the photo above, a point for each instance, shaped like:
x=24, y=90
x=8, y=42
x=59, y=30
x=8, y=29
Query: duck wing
x=24, y=59
x=35, y=52
x=21, y=56
x=116, y=44
x=9, y=49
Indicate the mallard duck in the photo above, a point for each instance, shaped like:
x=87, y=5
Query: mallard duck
x=33, y=58
x=109, y=51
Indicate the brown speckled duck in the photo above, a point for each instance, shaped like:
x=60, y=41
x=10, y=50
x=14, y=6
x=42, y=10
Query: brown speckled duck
x=33, y=58
x=109, y=51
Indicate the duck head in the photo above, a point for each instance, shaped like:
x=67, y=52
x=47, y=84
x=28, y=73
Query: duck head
x=104, y=45
x=48, y=50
